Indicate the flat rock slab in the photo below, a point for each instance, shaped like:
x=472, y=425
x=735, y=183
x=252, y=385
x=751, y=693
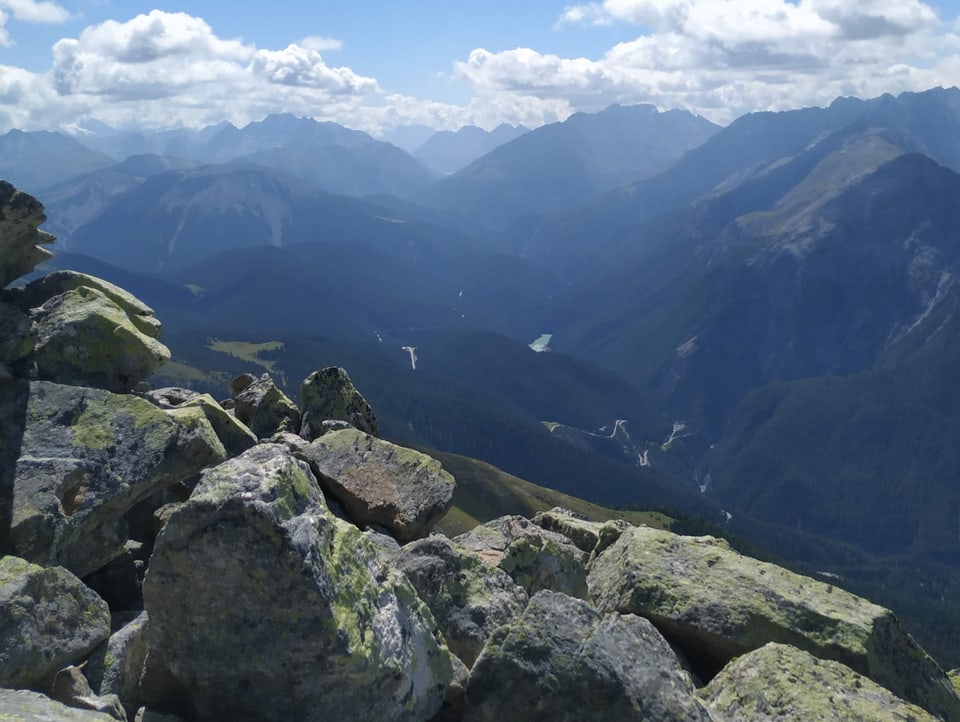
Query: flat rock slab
x=381, y=483
x=329, y=394
x=23, y=706
x=780, y=683
x=48, y=620
x=263, y=606
x=562, y=661
x=716, y=604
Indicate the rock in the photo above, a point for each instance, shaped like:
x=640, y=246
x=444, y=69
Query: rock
x=18, y=334
x=235, y=436
x=534, y=557
x=715, y=604
x=589, y=536
x=781, y=683
x=146, y=715
x=20, y=235
x=265, y=409
x=380, y=483
x=290, y=612
x=48, y=620
x=468, y=598
x=562, y=660
x=455, y=700
x=84, y=338
x=23, y=706
x=36, y=293
x=330, y=394
x=115, y=668
x=72, y=689
x=86, y=458
x=241, y=382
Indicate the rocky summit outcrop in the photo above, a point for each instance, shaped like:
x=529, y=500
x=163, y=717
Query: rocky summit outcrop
x=263, y=407
x=329, y=394
x=288, y=607
x=589, y=536
x=20, y=238
x=561, y=660
x=716, y=604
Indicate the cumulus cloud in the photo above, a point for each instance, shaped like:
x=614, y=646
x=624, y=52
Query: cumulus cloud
x=31, y=11
x=320, y=43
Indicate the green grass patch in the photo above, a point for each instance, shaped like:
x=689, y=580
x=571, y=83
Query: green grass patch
x=250, y=352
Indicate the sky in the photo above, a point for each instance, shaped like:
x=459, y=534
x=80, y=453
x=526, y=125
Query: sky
x=381, y=64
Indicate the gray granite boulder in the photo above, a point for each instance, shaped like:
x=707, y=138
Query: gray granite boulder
x=562, y=661
x=780, y=683
x=23, y=706
x=534, y=557
x=115, y=667
x=265, y=409
x=589, y=536
x=48, y=620
x=72, y=689
x=264, y=606
x=716, y=604
x=329, y=394
x=18, y=334
x=380, y=483
x=235, y=436
x=468, y=598
x=20, y=235
x=87, y=457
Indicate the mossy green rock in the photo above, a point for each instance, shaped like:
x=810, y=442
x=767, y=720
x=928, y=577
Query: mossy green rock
x=716, y=604
x=468, y=598
x=235, y=436
x=48, y=620
x=23, y=706
x=780, y=683
x=535, y=558
x=562, y=661
x=20, y=235
x=589, y=536
x=265, y=409
x=381, y=483
x=330, y=394
x=264, y=606
x=84, y=338
x=87, y=456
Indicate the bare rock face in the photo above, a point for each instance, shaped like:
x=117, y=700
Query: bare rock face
x=290, y=613
x=48, y=620
x=23, y=706
x=87, y=457
x=264, y=408
x=381, y=483
x=563, y=661
x=329, y=394
x=20, y=237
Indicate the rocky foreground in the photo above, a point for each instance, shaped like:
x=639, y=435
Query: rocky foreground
x=167, y=556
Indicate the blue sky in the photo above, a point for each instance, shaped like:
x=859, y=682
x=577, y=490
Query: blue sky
x=378, y=65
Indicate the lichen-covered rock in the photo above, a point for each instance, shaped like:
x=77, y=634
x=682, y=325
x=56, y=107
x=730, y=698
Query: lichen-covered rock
x=562, y=660
x=265, y=409
x=36, y=293
x=534, y=557
x=23, y=706
x=18, y=334
x=235, y=436
x=115, y=667
x=468, y=598
x=715, y=604
x=455, y=699
x=589, y=536
x=780, y=683
x=330, y=394
x=48, y=620
x=20, y=235
x=72, y=689
x=264, y=606
x=381, y=483
x=87, y=456
x=84, y=338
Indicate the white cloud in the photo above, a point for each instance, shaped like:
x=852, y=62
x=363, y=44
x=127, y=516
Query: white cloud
x=320, y=43
x=31, y=11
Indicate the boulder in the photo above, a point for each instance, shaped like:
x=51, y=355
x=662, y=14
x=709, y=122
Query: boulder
x=265, y=409
x=20, y=235
x=48, y=620
x=589, y=536
x=36, y=293
x=379, y=483
x=23, y=706
x=562, y=660
x=716, y=604
x=329, y=394
x=534, y=557
x=780, y=683
x=468, y=598
x=88, y=456
x=235, y=436
x=72, y=689
x=84, y=338
x=115, y=667
x=18, y=334
x=265, y=606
